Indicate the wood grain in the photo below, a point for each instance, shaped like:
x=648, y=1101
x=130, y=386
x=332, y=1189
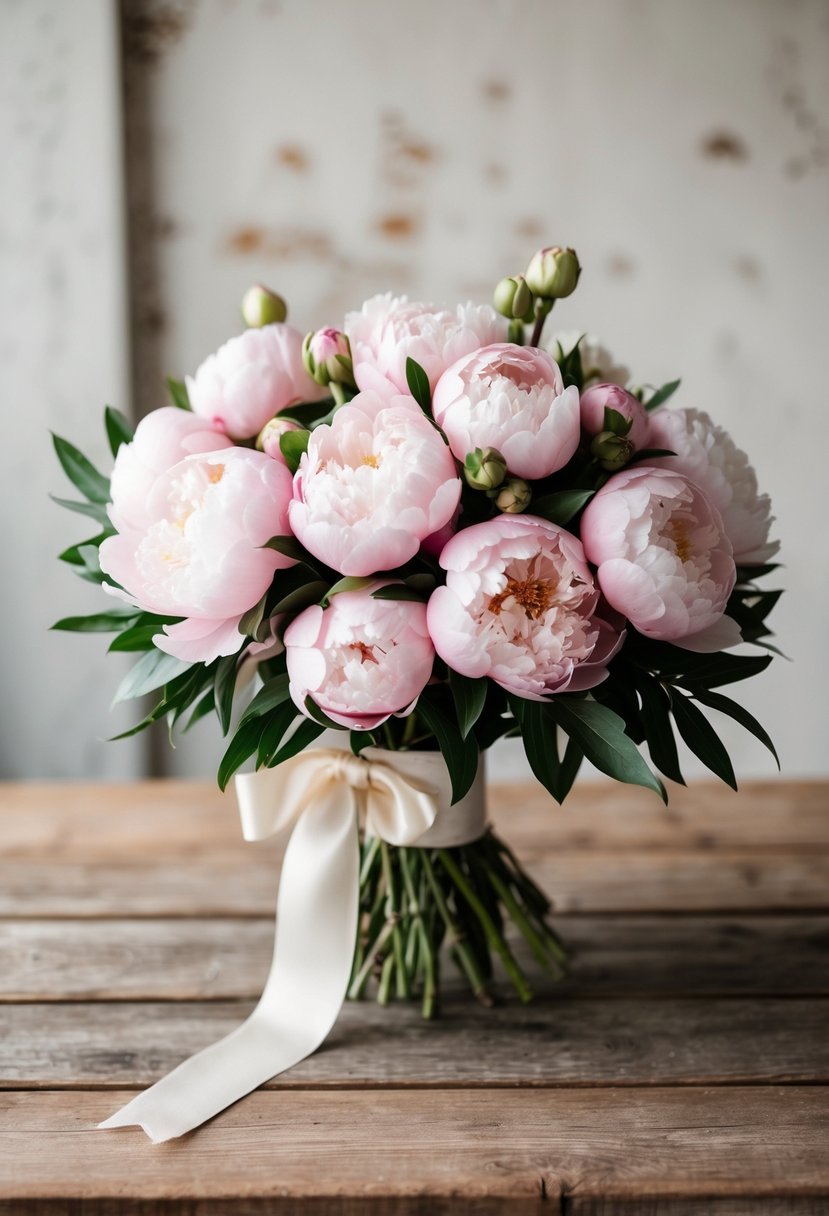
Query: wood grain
x=558, y=1040
x=471, y=1145
x=197, y=959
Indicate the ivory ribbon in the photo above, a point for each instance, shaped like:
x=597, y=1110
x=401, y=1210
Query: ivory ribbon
x=405, y=799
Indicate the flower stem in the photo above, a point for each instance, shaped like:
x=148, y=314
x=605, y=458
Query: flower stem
x=457, y=940
x=543, y=308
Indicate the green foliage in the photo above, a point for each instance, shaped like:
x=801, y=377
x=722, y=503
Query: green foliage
x=81, y=472
x=418, y=383
x=293, y=446
x=469, y=697
x=435, y=709
x=662, y=394
x=117, y=428
x=561, y=507
x=178, y=393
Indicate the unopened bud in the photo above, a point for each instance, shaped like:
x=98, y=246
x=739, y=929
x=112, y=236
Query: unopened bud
x=514, y=496
x=612, y=451
x=553, y=272
x=514, y=299
x=484, y=469
x=262, y=307
x=326, y=355
x=268, y=439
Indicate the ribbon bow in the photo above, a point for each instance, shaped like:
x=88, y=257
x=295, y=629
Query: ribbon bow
x=405, y=798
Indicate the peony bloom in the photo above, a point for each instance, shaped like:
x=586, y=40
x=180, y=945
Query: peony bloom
x=664, y=559
x=250, y=378
x=511, y=398
x=708, y=455
x=360, y=659
x=520, y=606
x=389, y=329
x=596, y=360
x=161, y=440
x=197, y=552
x=372, y=486
x=594, y=402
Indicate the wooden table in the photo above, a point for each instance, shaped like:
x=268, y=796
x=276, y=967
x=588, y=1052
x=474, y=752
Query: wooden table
x=681, y=1068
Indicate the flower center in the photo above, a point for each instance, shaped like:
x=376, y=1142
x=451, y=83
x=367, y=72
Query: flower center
x=534, y=595
x=371, y=460
x=677, y=533
x=365, y=652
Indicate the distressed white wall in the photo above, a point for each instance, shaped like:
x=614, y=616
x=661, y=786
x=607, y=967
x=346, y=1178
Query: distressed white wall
x=333, y=150
x=63, y=352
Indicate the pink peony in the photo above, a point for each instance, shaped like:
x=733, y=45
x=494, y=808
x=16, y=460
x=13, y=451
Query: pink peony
x=270, y=435
x=520, y=606
x=594, y=402
x=664, y=559
x=197, y=552
x=708, y=455
x=389, y=329
x=511, y=398
x=360, y=659
x=161, y=440
x=250, y=378
x=372, y=486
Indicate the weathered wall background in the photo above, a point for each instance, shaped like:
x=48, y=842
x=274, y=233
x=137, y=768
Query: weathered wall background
x=333, y=150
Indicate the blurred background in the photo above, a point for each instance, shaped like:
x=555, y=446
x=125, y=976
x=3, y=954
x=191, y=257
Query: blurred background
x=160, y=155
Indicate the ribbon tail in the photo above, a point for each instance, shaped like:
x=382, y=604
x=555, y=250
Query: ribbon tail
x=316, y=926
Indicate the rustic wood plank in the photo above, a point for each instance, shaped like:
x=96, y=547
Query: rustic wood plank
x=558, y=1041
x=197, y=959
x=582, y=881
x=472, y=1146
x=75, y=820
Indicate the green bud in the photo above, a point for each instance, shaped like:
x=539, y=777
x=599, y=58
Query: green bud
x=484, y=469
x=262, y=307
x=514, y=299
x=612, y=451
x=326, y=356
x=553, y=272
x=514, y=496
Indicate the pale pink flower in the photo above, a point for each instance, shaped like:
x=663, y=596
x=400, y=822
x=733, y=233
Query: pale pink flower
x=250, y=378
x=388, y=330
x=372, y=486
x=198, y=552
x=270, y=435
x=594, y=402
x=664, y=559
x=708, y=455
x=360, y=659
x=161, y=440
x=511, y=398
x=520, y=606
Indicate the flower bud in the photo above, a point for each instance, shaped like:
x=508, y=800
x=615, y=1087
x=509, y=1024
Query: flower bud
x=514, y=496
x=262, y=307
x=326, y=355
x=484, y=469
x=268, y=438
x=553, y=272
x=514, y=299
x=612, y=451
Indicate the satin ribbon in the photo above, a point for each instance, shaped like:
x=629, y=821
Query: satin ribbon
x=405, y=799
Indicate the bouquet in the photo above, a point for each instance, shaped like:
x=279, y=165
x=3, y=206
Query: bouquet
x=430, y=529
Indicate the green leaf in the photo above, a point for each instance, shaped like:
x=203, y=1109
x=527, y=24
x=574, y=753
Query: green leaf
x=94, y=510
x=310, y=413
x=716, y=700
x=178, y=393
x=646, y=454
x=399, y=591
x=702, y=739
x=470, y=697
x=560, y=508
x=747, y=574
x=83, y=475
x=714, y=670
x=288, y=545
x=351, y=582
x=538, y=734
x=313, y=710
x=225, y=686
x=243, y=744
x=659, y=734
x=304, y=734
x=301, y=597
x=270, y=695
x=461, y=755
x=150, y=672
x=203, y=708
x=115, y=619
x=570, y=765
x=80, y=555
x=139, y=637
x=277, y=723
x=600, y=734
x=117, y=428
x=418, y=383
x=293, y=445
x=662, y=394
x=616, y=422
